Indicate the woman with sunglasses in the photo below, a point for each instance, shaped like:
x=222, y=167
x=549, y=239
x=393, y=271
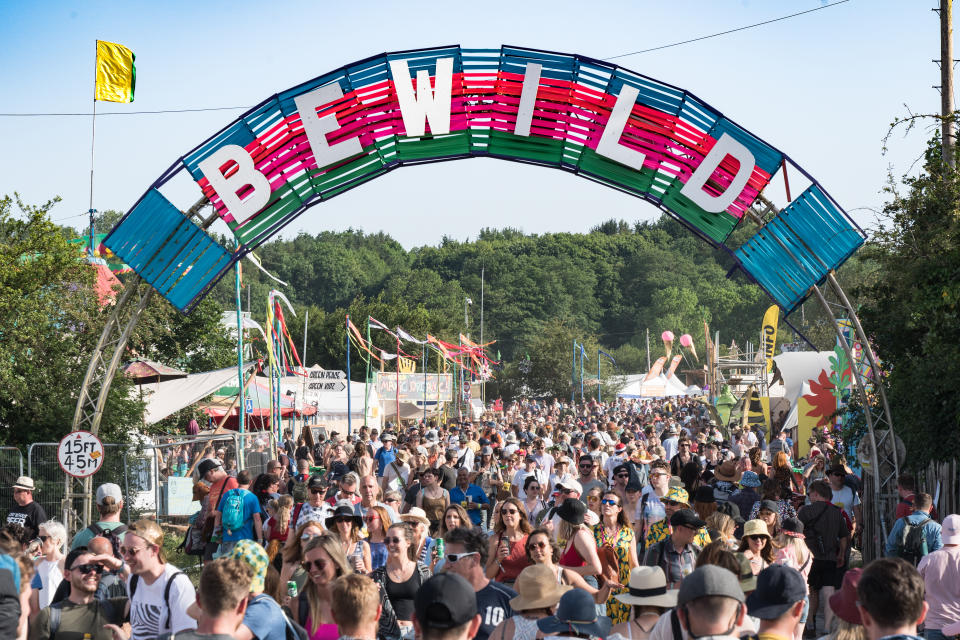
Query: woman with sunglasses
x=593, y=500
x=487, y=474
x=541, y=550
x=617, y=541
x=324, y=562
x=401, y=576
x=533, y=502
x=345, y=525
x=757, y=545
x=376, y=520
x=507, y=554
x=293, y=551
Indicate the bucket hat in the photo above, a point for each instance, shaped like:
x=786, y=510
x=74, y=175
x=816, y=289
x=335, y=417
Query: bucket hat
x=578, y=613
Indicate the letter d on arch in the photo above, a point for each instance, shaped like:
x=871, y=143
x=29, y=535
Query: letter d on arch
x=725, y=146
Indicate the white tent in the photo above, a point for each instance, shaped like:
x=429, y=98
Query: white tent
x=332, y=405
x=165, y=398
x=636, y=387
x=792, y=419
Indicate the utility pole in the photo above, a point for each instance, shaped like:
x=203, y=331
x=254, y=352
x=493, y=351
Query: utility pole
x=946, y=80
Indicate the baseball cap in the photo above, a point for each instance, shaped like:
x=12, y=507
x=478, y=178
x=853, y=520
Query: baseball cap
x=709, y=580
x=109, y=489
x=570, y=484
x=620, y=467
x=686, y=518
x=779, y=587
x=445, y=601
x=950, y=529
x=208, y=465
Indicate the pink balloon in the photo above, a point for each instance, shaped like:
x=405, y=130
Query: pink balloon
x=667, y=336
x=686, y=340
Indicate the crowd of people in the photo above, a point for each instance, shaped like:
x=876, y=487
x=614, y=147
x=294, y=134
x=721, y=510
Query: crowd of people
x=635, y=519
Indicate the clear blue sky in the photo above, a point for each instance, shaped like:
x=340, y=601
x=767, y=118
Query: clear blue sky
x=823, y=87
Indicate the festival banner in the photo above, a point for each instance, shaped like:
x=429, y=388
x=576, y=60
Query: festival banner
x=768, y=332
x=806, y=422
x=412, y=386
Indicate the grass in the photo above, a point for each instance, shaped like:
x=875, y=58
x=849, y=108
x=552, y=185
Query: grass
x=190, y=565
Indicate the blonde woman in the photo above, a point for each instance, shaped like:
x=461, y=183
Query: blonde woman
x=721, y=527
x=293, y=551
x=324, y=562
x=277, y=528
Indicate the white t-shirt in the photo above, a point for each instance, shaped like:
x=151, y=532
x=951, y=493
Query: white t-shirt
x=520, y=477
x=50, y=577
x=545, y=462
x=149, y=616
x=846, y=499
x=609, y=465
x=392, y=480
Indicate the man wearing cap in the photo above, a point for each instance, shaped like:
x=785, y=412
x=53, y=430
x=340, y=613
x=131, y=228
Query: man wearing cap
x=445, y=608
x=675, y=500
x=941, y=576
x=385, y=454
x=710, y=603
x=778, y=602
x=109, y=505
x=25, y=512
x=315, y=509
x=211, y=473
x=467, y=556
x=465, y=455
x=677, y=553
x=845, y=497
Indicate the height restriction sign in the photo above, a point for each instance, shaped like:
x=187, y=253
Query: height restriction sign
x=80, y=454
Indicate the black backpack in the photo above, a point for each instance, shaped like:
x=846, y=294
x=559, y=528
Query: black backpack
x=113, y=535
x=912, y=544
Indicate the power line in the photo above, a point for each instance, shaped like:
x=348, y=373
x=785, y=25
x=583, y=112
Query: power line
x=723, y=33
x=622, y=55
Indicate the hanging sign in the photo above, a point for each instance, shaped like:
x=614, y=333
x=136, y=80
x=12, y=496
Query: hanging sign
x=80, y=454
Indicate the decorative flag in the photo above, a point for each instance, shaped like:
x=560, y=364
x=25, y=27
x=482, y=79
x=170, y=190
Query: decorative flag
x=769, y=333
x=116, y=73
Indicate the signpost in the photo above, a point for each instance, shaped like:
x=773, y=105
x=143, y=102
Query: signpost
x=80, y=454
x=249, y=405
x=328, y=380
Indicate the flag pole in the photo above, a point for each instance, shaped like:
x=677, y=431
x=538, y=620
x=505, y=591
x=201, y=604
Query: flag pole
x=398, y=382
x=349, y=416
x=93, y=139
x=366, y=382
x=426, y=352
x=598, y=375
x=243, y=404
x=573, y=375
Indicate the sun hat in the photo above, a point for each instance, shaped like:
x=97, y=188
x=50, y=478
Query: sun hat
x=537, y=588
x=748, y=581
x=25, y=483
x=648, y=586
x=415, y=514
x=576, y=612
x=570, y=484
x=343, y=509
x=950, y=529
x=709, y=580
x=844, y=602
x=779, y=587
x=387, y=436
x=572, y=511
x=445, y=601
x=750, y=479
x=755, y=528
x=253, y=555
x=677, y=494
x=727, y=472
x=792, y=527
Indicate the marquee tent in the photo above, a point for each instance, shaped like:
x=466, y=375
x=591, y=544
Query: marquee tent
x=658, y=387
x=168, y=397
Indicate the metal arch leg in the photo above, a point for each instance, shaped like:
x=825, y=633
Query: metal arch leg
x=881, y=481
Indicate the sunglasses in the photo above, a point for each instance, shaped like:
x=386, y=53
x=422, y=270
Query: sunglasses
x=671, y=503
x=371, y=517
x=319, y=564
x=508, y=512
x=566, y=491
x=610, y=502
x=343, y=519
x=87, y=568
x=43, y=538
x=309, y=536
x=756, y=537
x=392, y=500
x=622, y=475
x=538, y=545
x=534, y=488
x=455, y=557
x=392, y=540
x=315, y=491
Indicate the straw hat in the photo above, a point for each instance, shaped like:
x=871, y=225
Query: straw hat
x=415, y=515
x=538, y=589
x=648, y=586
x=755, y=528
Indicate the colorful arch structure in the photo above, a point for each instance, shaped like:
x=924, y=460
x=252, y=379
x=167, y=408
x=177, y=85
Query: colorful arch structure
x=585, y=116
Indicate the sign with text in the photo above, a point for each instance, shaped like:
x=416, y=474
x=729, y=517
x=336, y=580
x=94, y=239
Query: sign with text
x=179, y=497
x=412, y=386
x=80, y=454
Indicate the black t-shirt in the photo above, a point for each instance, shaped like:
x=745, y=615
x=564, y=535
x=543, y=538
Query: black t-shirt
x=449, y=480
x=493, y=605
x=29, y=517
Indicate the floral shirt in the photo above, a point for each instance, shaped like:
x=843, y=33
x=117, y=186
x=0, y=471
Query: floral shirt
x=660, y=530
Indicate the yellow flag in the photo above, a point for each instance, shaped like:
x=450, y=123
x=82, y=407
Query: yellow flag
x=116, y=73
x=769, y=333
